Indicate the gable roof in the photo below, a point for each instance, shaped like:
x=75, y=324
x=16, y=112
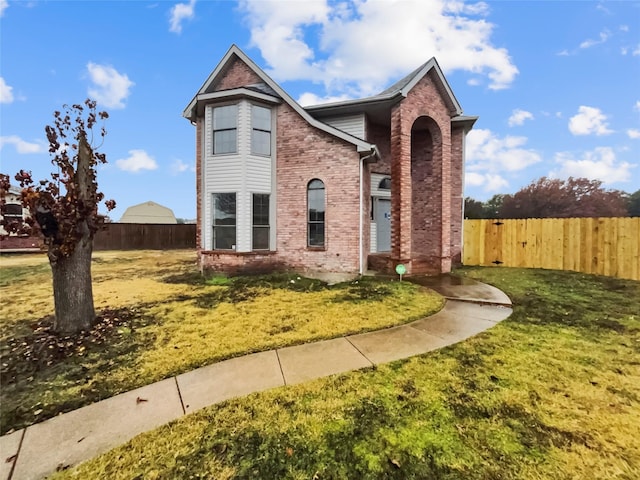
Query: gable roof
x=270, y=86
x=401, y=89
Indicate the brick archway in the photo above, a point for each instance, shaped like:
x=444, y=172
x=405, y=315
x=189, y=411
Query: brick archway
x=426, y=194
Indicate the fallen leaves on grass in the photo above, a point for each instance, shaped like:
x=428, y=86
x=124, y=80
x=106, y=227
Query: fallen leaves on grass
x=43, y=347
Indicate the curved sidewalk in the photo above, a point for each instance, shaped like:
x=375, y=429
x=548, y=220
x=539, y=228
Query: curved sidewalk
x=74, y=437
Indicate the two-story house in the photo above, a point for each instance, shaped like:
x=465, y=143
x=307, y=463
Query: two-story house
x=341, y=187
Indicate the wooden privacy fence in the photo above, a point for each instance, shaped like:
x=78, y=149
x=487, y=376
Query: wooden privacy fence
x=145, y=236
x=604, y=246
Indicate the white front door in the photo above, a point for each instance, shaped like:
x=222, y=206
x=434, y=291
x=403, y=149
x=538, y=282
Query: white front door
x=383, y=224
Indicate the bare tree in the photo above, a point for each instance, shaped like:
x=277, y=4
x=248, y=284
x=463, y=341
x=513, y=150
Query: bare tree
x=64, y=211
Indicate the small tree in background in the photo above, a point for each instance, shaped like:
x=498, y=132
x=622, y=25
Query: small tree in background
x=473, y=209
x=555, y=198
x=633, y=206
x=64, y=211
x=493, y=206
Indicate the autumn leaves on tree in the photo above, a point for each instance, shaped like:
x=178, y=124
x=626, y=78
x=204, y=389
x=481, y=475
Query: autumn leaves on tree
x=64, y=211
x=556, y=198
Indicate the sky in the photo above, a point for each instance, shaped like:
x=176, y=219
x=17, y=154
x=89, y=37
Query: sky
x=555, y=84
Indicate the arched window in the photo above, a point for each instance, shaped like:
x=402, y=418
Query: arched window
x=385, y=183
x=315, y=216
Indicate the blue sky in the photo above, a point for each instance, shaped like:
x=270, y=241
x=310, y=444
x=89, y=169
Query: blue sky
x=556, y=84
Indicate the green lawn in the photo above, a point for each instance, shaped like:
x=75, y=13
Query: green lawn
x=553, y=392
x=160, y=318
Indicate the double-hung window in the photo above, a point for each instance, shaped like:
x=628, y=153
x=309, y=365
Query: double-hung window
x=225, y=129
x=315, y=212
x=13, y=212
x=260, y=221
x=260, y=130
x=224, y=221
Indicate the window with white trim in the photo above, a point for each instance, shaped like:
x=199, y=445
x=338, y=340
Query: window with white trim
x=260, y=221
x=260, y=130
x=224, y=221
x=225, y=129
x=13, y=212
x=315, y=208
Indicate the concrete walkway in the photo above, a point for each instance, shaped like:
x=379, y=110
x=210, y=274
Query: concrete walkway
x=71, y=438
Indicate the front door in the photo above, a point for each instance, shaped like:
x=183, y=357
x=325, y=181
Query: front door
x=383, y=224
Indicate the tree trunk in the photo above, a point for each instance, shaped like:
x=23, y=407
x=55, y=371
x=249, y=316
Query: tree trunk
x=72, y=289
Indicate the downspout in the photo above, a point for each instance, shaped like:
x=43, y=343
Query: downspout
x=464, y=142
x=361, y=227
x=374, y=153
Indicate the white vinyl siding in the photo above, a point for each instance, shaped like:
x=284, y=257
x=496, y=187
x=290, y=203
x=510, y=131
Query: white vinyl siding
x=351, y=124
x=241, y=173
x=373, y=247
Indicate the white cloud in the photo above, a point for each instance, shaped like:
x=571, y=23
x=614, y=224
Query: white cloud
x=603, y=37
x=518, y=117
x=276, y=29
x=633, y=133
x=588, y=121
x=597, y=164
x=637, y=106
x=350, y=34
x=3, y=6
x=22, y=146
x=178, y=167
x=6, y=92
x=486, y=151
x=179, y=13
x=309, y=98
x=624, y=28
x=491, y=182
x=636, y=51
x=490, y=159
x=111, y=88
x=138, y=160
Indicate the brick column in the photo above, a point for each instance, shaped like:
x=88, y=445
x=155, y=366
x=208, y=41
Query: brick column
x=457, y=174
x=400, y=190
x=445, y=255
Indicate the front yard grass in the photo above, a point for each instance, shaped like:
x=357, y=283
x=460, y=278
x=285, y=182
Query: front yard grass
x=160, y=317
x=553, y=392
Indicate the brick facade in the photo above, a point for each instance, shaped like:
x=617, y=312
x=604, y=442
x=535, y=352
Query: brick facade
x=237, y=74
x=304, y=153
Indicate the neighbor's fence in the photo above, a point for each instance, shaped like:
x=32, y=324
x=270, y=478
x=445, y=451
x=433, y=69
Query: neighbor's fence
x=604, y=246
x=145, y=236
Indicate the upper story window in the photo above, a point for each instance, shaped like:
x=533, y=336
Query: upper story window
x=260, y=130
x=315, y=219
x=13, y=212
x=225, y=129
